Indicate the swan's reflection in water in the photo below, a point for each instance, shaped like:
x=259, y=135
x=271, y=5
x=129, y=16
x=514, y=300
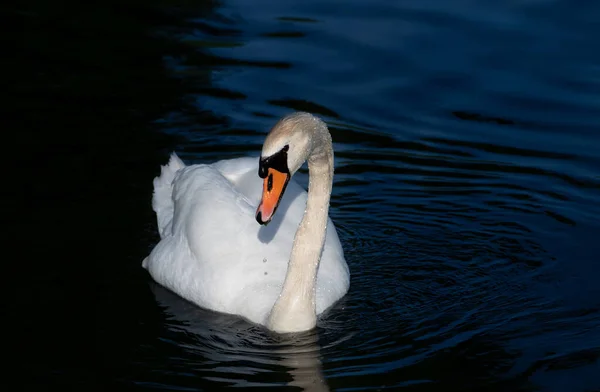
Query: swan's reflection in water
x=224, y=350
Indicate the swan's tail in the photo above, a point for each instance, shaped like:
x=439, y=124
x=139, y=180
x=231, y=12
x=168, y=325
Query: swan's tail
x=162, y=201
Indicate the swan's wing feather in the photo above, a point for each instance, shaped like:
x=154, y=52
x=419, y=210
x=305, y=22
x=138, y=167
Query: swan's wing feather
x=162, y=202
x=216, y=254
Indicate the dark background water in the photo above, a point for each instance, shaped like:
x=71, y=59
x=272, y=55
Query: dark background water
x=466, y=195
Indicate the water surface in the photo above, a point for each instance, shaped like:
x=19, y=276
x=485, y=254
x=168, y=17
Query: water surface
x=466, y=191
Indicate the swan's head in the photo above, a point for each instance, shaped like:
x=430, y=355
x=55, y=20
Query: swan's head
x=286, y=148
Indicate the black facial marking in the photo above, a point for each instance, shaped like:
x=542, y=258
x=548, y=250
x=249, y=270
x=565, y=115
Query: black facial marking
x=270, y=183
x=277, y=161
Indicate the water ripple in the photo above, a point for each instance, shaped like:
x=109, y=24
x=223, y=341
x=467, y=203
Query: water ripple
x=466, y=167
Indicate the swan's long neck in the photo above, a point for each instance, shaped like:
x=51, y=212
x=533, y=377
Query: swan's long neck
x=295, y=309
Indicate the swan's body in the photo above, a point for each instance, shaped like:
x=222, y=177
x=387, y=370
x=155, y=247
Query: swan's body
x=214, y=253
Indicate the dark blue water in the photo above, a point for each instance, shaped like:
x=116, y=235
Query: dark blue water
x=466, y=191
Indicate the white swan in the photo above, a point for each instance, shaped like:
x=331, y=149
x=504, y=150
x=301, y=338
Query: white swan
x=213, y=252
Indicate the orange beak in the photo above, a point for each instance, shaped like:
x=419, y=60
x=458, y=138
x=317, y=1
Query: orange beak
x=273, y=188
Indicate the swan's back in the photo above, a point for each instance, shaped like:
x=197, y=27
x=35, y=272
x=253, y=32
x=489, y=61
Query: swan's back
x=213, y=252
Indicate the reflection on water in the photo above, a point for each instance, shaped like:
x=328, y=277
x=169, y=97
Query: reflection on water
x=234, y=353
x=465, y=193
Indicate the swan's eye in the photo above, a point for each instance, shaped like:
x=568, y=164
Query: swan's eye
x=270, y=183
x=286, y=148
